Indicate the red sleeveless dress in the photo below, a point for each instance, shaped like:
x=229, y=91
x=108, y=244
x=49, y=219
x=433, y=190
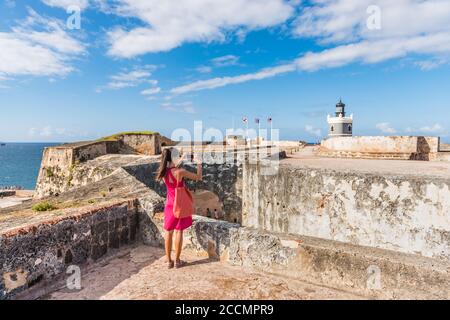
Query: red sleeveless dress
x=170, y=222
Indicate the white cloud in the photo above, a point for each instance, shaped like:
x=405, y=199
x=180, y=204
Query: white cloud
x=64, y=4
x=51, y=34
x=219, y=62
x=151, y=91
x=32, y=131
x=225, y=61
x=38, y=46
x=186, y=107
x=385, y=127
x=54, y=133
x=169, y=24
x=376, y=51
x=133, y=78
x=204, y=69
x=317, y=132
x=346, y=20
x=428, y=65
x=436, y=128
x=408, y=27
x=224, y=81
x=46, y=131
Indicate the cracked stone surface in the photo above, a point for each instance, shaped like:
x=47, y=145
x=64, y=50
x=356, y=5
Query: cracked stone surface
x=141, y=273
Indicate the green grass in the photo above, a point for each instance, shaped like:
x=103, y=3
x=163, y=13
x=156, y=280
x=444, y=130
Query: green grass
x=49, y=172
x=116, y=136
x=43, y=206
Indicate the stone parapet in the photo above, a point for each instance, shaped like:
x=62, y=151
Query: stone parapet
x=36, y=254
x=405, y=213
x=362, y=270
x=380, y=147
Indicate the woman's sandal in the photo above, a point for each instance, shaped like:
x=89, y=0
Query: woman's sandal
x=170, y=264
x=179, y=263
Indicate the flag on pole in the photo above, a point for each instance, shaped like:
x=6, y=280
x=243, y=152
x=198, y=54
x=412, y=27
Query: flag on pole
x=257, y=120
x=245, y=120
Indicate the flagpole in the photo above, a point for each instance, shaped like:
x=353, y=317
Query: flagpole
x=245, y=120
x=271, y=128
x=259, y=130
x=270, y=120
x=246, y=132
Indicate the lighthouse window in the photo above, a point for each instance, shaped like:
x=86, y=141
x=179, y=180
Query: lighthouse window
x=332, y=128
x=350, y=127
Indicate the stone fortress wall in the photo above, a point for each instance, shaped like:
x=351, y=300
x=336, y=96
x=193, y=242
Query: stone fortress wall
x=36, y=256
x=381, y=147
x=322, y=225
x=398, y=212
x=58, y=165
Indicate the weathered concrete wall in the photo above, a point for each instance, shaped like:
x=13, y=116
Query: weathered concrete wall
x=37, y=254
x=428, y=144
x=90, y=151
x=54, y=171
x=367, y=271
x=224, y=180
x=396, y=147
x=57, y=172
x=7, y=193
x=142, y=144
x=166, y=142
x=401, y=213
x=443, y=156
x=444, y=147
x=382, y=144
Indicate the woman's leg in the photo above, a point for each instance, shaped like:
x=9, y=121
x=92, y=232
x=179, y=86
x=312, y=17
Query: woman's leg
x=178, y=244
x=168, y=245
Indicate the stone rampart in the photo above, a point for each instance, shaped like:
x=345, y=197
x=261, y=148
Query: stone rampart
x=56, y=174
x=380, y=147
x=367, y=271
x=403, y=213
x=36, y=254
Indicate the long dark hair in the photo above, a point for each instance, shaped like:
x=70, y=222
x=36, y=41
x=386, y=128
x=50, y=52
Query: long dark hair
x=166, y=158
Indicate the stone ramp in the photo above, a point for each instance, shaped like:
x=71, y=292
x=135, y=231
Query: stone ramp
x=141, y=273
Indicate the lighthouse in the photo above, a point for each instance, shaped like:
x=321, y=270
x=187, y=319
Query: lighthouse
x=340, y=125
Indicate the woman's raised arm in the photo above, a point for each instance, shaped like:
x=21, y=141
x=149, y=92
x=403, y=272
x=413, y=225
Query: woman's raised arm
x=182, y=173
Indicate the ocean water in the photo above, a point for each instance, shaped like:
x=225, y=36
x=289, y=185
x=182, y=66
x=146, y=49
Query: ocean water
x=20, y=163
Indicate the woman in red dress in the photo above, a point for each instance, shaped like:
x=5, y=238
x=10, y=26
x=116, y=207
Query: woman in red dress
x=173, y=177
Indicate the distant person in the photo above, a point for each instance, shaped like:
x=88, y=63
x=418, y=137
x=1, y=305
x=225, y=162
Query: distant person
x=173, y=177
x=208, y=213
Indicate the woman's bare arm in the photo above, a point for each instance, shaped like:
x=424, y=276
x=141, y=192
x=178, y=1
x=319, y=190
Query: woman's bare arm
x=182, y=173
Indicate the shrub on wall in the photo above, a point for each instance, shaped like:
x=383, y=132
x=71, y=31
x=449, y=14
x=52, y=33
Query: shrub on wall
x=43, y=206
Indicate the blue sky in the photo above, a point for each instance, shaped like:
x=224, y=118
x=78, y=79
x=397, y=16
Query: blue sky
x=160, y=65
